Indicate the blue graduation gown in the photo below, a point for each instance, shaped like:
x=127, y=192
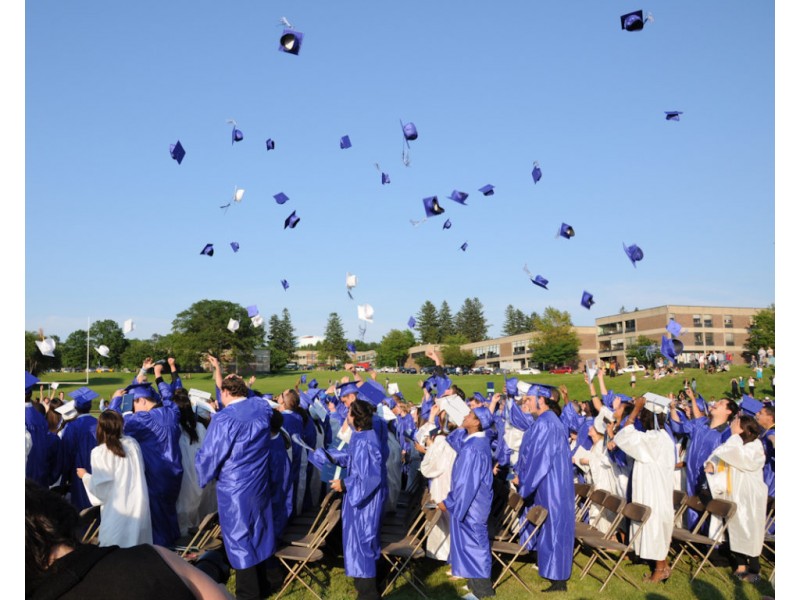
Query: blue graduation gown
x=769, y=465
x=364, y=496
x=158, y=433
x=545, y=479
x=469, y=503
x=279, y=483
x=53, y=458
x=236, y=453
x=293, y=423
x=425, y=408
x=77, y=442
x=36, y=466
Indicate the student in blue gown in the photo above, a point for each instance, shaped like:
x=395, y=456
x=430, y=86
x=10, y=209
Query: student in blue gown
x=544, y=478
x=279, y=473
x=75, y=451
x=766, y=420
x=236, y=453
x=364, y=495
x=36, y=465
x=469, y=503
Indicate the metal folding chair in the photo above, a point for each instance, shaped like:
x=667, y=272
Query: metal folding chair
x=510, y=517
x=206, y=538
x=536, y=516
x=690, y=542
x=90, y=521
x=582, y=492
x=399, y=554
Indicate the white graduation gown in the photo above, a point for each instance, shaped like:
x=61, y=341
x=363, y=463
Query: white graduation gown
x=437, y=466
x=605, y=476
x=652, y=481
x=745, y=464
x=188, y=504
x=118, y=485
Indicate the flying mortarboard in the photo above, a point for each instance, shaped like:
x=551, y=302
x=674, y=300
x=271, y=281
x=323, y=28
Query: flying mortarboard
x=674, y=328
x=177, y=152
x=536, y=173
x=540, y=281
x=128, y=326
x=285, y=284
x=303, y=378
x=566, y=231
x=235, y=246
x=102, y=350
x=750, y=406
x=233, y=325
x=671, y=348
x=464, y=247
x=257, y=321
x=432, y=207
x=46, y=347
x=634, y=253
x=412, y=322
x=238, y=194
x=385, y=178
x=447, y=224
x=291, y=41
x=208, y=250
x=487, y=190
x=350, y=281
x=460, y=197
x=281, y=198
x=635, y=20
x=236, y=134
x=252, y=311
x=30, y=380
x=291, y=221
x=270, y=144
x=587, y=300
x=365, y=312
x=351, y=347
x=409, y=135
x=344, y=143
x=673, y=115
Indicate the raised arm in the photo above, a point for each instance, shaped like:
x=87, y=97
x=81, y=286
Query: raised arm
x=214, y=362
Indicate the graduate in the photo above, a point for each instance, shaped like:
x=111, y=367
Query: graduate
x=603, y=473
x=469, y=502
x=364, y=496
x=766, y=419
x=544, y=478
x=280, y=468
x=77, y=442
x=289, y=405
x=193, y=433
x=37, y=467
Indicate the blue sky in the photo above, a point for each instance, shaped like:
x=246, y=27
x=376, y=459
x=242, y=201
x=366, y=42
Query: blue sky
x=114, y=227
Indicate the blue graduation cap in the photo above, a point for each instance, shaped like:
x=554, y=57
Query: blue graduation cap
x=701, y=403
x=390, y=402
x=291, y=41
x=208, y=250
x=412, y=322
x=30, y=380
x=303, y=378
x=347, y=388
x=484, y=416
x=511, y=386
x=673, y=115
x=285, y=284
x=587, y=300
x=540, y=281
x=674, y=328
x=83, y=397
x=372, y=392
x=281, y=198
x=344, y=143
x=270, y=144
x=291, y=221
x=177, y=152
x=236, y=134
x=671, y=348
x=633, y=21
x=313, y=385
x=634, y=253
x=541, y=389
x=351, y=347
x=566, y=231
x=235, y=246
x=464, y=247
x=487, y=190
x=143, y=390
x=385, y=179
x=447, y=224
x=442, y=384
x=252, y=311
x=536, y=173
x=750, y=406
x=460, y=197
x=409, y=132
x=432, y=207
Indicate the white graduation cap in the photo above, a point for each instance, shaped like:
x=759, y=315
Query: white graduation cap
x=47, y=346
x=102, y=350
x=238, y=194
x=257, y=321
x=393, y=388
x=67, y=411
x=201, y=401
x=54, y=385
x=316, y=409
x=350, y=281
x=591, y=369
x=656, y=404
x=455, y=408
x=128, y=326
x=604, y=416
x=233, y=325
x=365, y=312
x=385, y=413
x=523, y=387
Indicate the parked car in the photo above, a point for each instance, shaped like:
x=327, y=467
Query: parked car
x=561, y=371
x=291, y=367
x=631, y=369
x=481, y=371
x=427, y=370
x=529, y=371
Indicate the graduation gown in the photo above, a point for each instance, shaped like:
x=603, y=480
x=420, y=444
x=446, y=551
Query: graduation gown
x=769, y=464
x=118, y=485
x=36, y=465
x=437, y=466
x=158, y=434
x=364, y=496
x=77, y=442
x=468, y=504
x=293, y=424
x=394, y=473
x=654, y=460
x=188, y=505
x=545, y=479
x=745, y=465
x=605, y=476
x=279, y=483
x=236, y=454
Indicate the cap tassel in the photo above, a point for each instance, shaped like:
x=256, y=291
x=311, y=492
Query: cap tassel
x=650, y=18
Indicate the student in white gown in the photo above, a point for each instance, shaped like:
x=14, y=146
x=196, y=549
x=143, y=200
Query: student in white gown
x=193, y=432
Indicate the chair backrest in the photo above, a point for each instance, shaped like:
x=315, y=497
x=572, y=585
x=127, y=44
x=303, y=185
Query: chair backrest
x=596, y=498
x=678, y=499
x=722, y=509
x=536, y=515
x=613, y=503
x=694, y=503
x=582, y=491
x=636, y=512
x=90, y=520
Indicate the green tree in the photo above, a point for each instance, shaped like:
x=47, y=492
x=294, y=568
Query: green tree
x=281, y=340
x=516, y=321
x=639, y=351
x=107, y=333
x=470, y=321
x=762, y=331
x=136, y=352
x=393, y=349
x=73, y=350
x=203, y=328
x=454, y=356
x=334, y=346
x=35, y=361
x=428, y=323
x=556, y=342
x=447, y=326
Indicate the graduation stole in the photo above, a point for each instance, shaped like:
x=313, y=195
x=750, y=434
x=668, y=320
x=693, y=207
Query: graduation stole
x=723, y=467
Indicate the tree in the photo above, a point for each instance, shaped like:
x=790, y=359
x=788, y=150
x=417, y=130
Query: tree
x=470, y=321
x=556, y=342
x=35, y=361
x=203, y=328
x=762, y=331
x=334, y=346
x=640, y=349
x=281, y=340
x=107, y=333
x=446, y=325
x=393, y=348
x=136, y=352
x=428, y=323
x=454, y=356
x=516, y=321
x=73, y=350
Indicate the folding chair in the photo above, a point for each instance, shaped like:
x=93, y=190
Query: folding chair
x=297, y=559
x=610, y=506
x=309, y=521
x=206, y=538
x=536, y=516
x=679, y=506
x=582, y=492
x=509, y=518
x=689, y=541
x=602, y=547
x=304, y=540
x=405, y=524
x=399, y=554
x=90, y=520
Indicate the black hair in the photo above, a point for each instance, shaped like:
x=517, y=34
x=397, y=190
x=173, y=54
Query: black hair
x=362, y=411
x=188, y=416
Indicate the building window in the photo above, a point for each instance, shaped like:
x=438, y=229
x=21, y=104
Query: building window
x=698, y=339
x=729, y=339
x=707, y=321
x=709, y=339
x=697, y=321
x=727, y=321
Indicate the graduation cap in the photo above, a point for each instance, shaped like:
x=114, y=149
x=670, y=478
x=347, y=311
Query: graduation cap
x=350, y=281
x=540, y=281
x=102, y=350
x=143, y=390
x=67, y=410
x=673, y=115
x=257, y=321
x=344, y=143
x=674, y=328
x=566, y=231
x=634, y=253
x=236, y=134
x=252, y=311
x=479, y=397
x=511, y=386
x=47, y=347
x=656, y=404
x=484, y=416
x=412, y=322
x=541, y=389
x=635, y=20
x=671, y=348
x=291, y=41
x=177, y=152
x=83, y=397
x=432, y=207
x=238, y=194
x=281, y=198
x=587, y=300
x=447, y=224
x=347, y=388
x=313, y=385
x=487, y=190
x=385, y=179
x=409, y=135
x=460, y=197
x=30, y=380
x=365, y=312
x=233, y=325
x=291, y=221
x=208, y=250
x=372, y=392
x=235, y=246
x=128, y=326
x=285, y=284
x=464, y=247
x=270, y=144
x=351, y=347
x=536, y=173
x=750, y=406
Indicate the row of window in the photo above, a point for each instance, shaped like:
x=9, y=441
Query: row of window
x=706, y=321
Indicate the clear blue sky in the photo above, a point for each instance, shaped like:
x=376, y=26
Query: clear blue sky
x=114, y=227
